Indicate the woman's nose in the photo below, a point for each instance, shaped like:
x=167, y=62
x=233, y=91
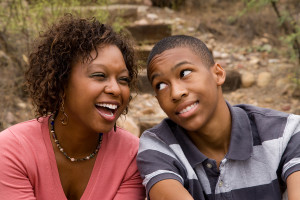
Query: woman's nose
x=113, y=87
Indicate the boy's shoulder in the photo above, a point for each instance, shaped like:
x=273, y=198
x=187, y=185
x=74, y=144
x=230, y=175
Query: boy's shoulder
x=251, y=109
x=164, y=131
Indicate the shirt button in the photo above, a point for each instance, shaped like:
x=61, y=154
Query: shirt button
x=208, y=165
x=220, y=183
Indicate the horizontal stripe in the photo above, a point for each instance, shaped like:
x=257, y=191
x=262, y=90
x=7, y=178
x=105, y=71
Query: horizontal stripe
x=150, y=141
x=290, y=167
x=158, y=172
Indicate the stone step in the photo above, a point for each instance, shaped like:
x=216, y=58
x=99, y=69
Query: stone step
x=143, y=53
x=143, y=84
x=124, y=11
x=126, y=2
x=149, y=33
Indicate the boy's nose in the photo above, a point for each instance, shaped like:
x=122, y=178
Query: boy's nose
x=178, y=91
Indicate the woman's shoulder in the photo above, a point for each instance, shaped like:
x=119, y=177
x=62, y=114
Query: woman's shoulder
x=27, y=129
x=123, y=140
x=123, y=134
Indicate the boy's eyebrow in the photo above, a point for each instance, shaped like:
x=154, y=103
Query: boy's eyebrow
x=172, y=69
x=179, y=64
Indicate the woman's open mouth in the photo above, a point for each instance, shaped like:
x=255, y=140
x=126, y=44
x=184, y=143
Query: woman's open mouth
x=107, y=111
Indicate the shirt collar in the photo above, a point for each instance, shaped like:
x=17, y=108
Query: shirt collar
x=190, y=150
x=241, y=141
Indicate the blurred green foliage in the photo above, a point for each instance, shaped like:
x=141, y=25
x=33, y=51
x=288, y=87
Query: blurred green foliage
x=287, y=13
x=22, y=20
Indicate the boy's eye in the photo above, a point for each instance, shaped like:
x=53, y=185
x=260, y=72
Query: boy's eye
x=183, y=73
x=161, y=86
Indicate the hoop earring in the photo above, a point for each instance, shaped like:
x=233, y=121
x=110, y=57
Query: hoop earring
x=64, y=119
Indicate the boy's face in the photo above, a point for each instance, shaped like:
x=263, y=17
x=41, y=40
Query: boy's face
x=186, y=90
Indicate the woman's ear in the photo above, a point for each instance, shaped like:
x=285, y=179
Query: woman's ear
x=219, y=74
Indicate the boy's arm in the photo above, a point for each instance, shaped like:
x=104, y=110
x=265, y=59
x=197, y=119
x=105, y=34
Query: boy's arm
x=169, y=189
x=293, y=182
x=162, y=172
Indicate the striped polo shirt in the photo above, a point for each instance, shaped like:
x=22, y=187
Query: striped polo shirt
x=264, y=150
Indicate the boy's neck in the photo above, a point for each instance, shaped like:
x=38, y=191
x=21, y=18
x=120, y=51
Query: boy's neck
x=213, y=140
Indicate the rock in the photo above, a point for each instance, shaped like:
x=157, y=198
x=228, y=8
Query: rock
x=152, y=16
x=264, y=40
x=248, y=79
x=263, y=79
x=280, y=83
x=267, y=47
x=22, y=105
x=148, y=111
x=10, y=118
x=232, y=82
x=218, y=55
x=286, y=107
x=190, y=29
x=237, y=96
x=128, y=124
x=296, y=93
x=287, y=89
x=254, y=61
x=273, y=60
x=268, y=100
x=141, y=22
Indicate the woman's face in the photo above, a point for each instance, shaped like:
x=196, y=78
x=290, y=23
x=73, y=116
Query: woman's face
x=98, y=92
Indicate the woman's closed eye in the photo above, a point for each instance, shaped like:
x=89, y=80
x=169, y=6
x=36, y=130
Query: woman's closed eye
x=185, y=72
x=97, y=75
x=124, y=80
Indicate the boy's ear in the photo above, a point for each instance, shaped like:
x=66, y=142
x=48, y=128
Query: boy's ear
x=219, y=74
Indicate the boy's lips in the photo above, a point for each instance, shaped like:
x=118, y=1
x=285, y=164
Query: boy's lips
x=186, y=107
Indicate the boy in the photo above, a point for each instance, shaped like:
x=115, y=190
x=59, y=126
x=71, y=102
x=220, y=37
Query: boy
x=206, y=148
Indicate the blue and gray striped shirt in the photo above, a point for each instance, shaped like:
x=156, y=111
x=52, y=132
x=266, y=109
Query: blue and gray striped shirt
x=264, y=150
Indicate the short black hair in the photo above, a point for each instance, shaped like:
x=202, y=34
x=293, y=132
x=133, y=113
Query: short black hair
x=196, y=45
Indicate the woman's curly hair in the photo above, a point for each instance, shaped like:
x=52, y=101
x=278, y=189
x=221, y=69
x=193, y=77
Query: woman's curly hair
x=62, y=44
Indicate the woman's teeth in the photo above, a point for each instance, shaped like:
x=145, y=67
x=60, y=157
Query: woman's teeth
x=109, y=115
x=110, y=106
x=188, y=108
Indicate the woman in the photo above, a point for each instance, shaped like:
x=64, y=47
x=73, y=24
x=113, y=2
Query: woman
x=79, y=78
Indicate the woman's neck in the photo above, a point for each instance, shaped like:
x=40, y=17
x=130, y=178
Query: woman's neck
x=75, y=139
